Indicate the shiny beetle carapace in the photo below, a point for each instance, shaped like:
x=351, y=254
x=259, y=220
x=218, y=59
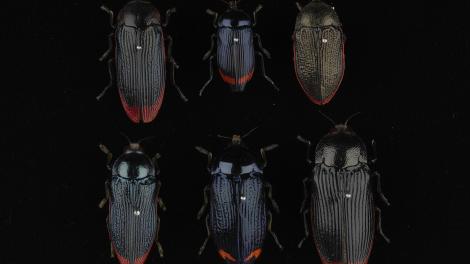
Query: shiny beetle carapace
x=140, y=59
x=235, y=49
x=339, y=196
x=239, y=215
x=133, y=200
x=319, y=58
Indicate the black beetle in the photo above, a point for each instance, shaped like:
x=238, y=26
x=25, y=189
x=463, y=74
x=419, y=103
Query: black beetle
x=239, y=215
x=342, y=210
x=319, y=57
x=133, y=199
x=235, y=48
x=140, y=59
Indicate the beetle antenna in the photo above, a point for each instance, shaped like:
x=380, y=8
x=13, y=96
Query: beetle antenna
x=126, y=137
x=144, y=139
x=249, y=132
x=349, y=118
x=327, y=117
x=224, y=137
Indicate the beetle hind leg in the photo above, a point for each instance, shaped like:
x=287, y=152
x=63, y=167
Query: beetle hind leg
x=263, y=70
x=304, y=213
x=111, y=78
x=157, y=243
x=204, y=244
x=379, y=225
x=211, y=76
x=174, y=65
x=270, y=222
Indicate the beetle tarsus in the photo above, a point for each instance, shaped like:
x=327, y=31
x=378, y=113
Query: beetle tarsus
x=211, y=75
x=110, y=73
x=110, y=13
x=379, y=225
x=304, y=213
x=263, y=70
x=201, y=249
x=276, y=240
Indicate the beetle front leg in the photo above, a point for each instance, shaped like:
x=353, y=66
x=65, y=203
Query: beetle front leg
x=299, y=7
x=207, y=153
x=110, y=47
x=109, y=155
x=260, y=45
x=155, y=163
x=379, y=224
x=263, y=153
x=159, y=200
x=168, y=14
x=211, y=75
x=201, y=249
x=263, y=70
x=309, y=146
x=206, y=193
x=258, y=8
x=110, y=13
x=270, y=222
x=215, y=15
x=111, y=77
x=379, y=189
x=107, y=191
x=174, y=65
x=209, y=52
x=307, y=233
x=269, y=191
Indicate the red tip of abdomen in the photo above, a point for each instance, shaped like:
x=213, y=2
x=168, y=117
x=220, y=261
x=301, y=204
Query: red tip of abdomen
x=145, y=114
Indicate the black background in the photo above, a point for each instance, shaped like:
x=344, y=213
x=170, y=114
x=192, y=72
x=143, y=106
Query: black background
x=406, y=68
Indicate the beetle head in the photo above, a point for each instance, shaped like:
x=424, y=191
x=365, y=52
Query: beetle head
x=232, y=4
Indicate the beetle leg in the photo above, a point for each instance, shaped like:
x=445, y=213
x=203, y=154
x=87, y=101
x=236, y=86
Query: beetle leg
x=209, y=52
x=258, y=8
x=157, y=243
x=110, y=73
x=374, y=151
x=155, y=163
x=260, y=45
x=270, y=222
x=209, y=156
x=299, y=7
x=206, y=202
x=109, y=155
x=174, y=65
x=304, y=213
x=309, y=146
x=168, y=14
x=215, y=15
x=110, y=47
x=263, y=70
x=211, y=75
x=379, y=224
x=269, y=189
x=110, y=13
x=304, y=201
x=111, y=250
x=201, y=249
x=379, y=189
x=263, y=153
x=158, y=199
x=107, y=191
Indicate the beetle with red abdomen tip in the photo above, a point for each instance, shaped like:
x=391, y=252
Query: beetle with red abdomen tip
x=239, y=215
x=140, y=59
x=133, y=200
x=319, y=57
x=343, y=215
x=235, y=51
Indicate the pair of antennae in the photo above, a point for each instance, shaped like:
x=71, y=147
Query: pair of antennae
x=138, y=142
x=334, y=123
x=231, y=3
x=244, y=135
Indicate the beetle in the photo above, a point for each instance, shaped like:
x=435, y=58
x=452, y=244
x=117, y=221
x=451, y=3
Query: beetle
x=235, y=49
x=239, y=216
x=133, y=200
x=319, y=57
x=343, y=215
x=140, y=58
